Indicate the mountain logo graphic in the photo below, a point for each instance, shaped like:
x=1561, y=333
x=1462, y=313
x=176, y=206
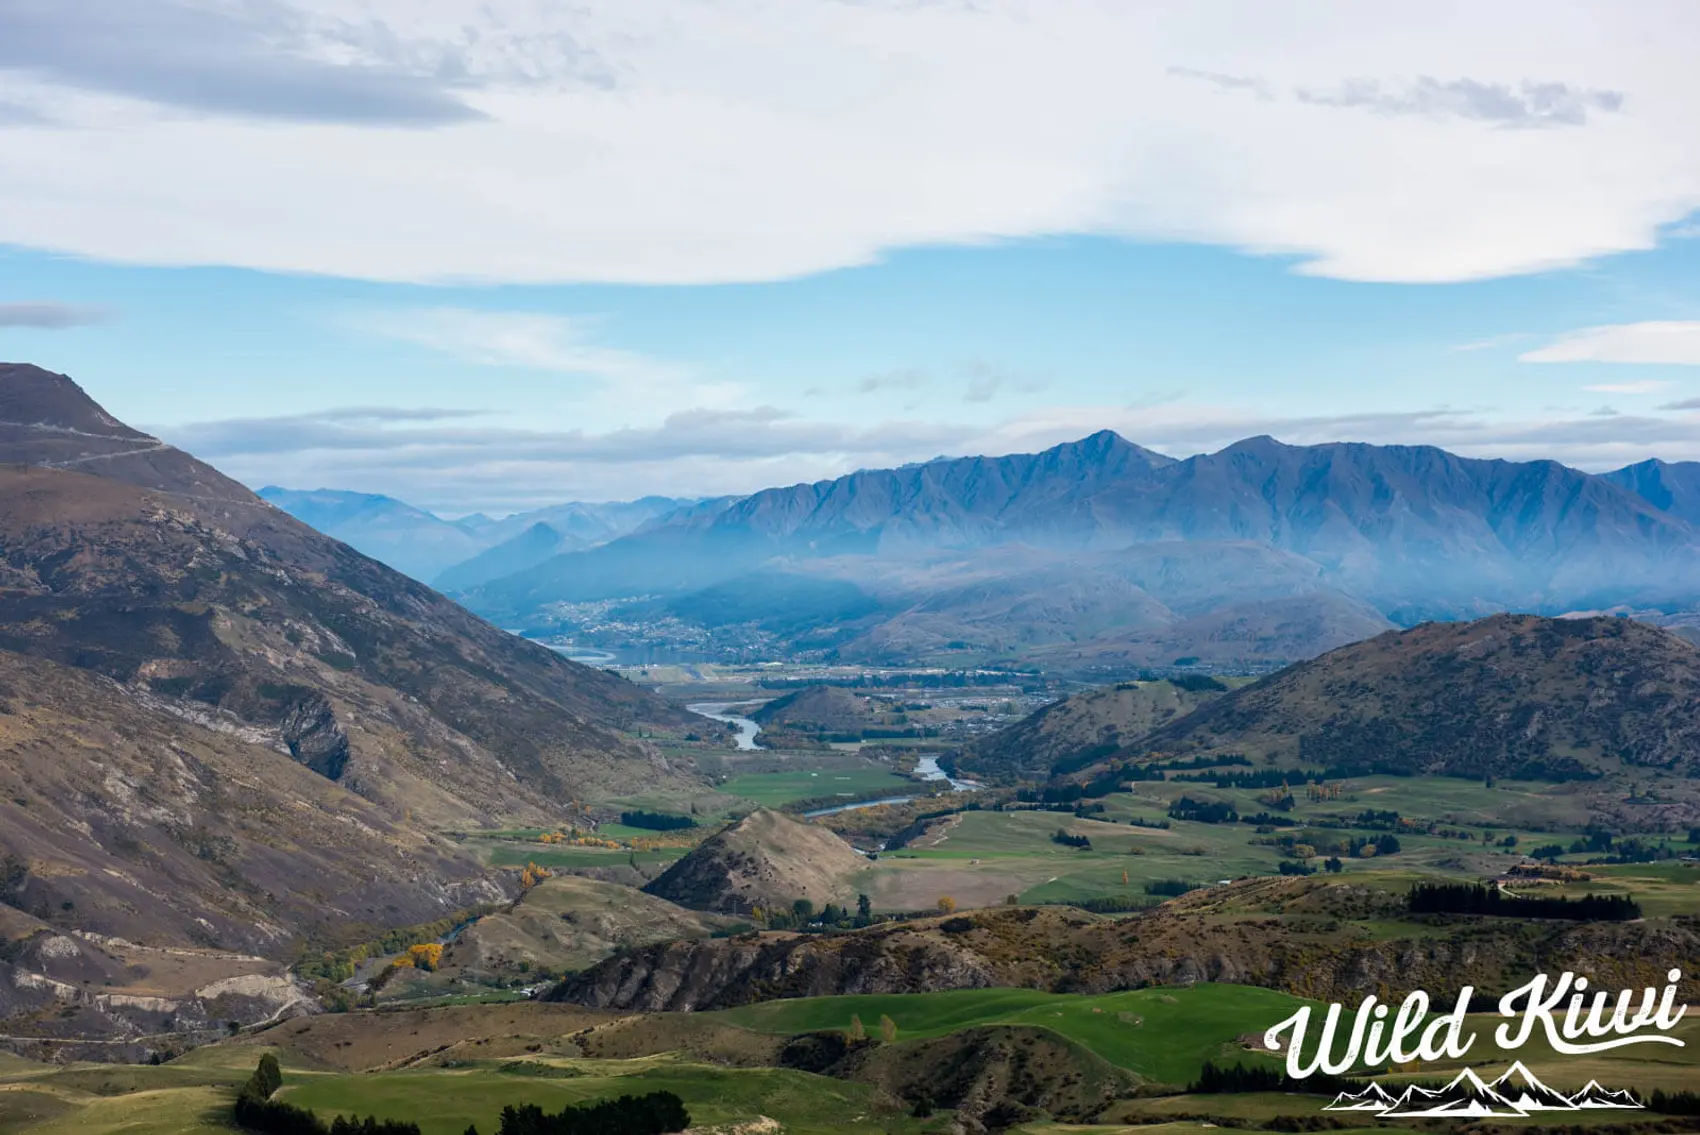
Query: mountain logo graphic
x=1515, y=1092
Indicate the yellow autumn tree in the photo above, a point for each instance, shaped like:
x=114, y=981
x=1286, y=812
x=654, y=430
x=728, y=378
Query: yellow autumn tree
x=947, y=905
x=426, y=955
x=533, y=875
x=857, y=1032
x=888, y=1029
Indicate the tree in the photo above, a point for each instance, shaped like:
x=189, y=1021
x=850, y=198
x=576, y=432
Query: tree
x=864, y=910
x=1333, y=865
x=426, y=955
x=1011, y=900
x=804, y=909
x=888, y=1029
x=1124, y=876
x=857, y=1032
x=947, y=905
x=1508, y=842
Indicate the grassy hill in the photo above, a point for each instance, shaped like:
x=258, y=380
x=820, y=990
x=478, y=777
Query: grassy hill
x=570, y=923
x=1079, y=729
x=1510, y=695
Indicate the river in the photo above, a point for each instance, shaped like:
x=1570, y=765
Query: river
x=746, y=728
x=927, y=768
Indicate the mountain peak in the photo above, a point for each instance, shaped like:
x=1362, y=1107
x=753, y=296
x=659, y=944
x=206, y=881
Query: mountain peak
x=32, y=397
x=1108, y=448
x=47, y=420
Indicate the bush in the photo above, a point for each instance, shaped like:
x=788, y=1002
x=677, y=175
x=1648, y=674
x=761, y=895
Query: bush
x=652, y=1114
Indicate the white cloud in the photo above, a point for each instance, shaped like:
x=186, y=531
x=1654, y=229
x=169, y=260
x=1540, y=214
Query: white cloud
x=443, y=459
x=1674, y=342
x=672, y=141
x=509, y=338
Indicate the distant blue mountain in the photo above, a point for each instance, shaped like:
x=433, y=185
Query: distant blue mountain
x=425, y=546
x=1067, y=539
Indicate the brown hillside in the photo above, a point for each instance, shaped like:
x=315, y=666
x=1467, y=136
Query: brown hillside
x=1083, y=727
x=122, y=815
x=227, y=726
x=765, y=860
x=815, y=708
x=1507, y=695
x=1240, y=933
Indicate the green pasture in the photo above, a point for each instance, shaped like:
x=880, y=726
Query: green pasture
x=775, y=789
x=445, y=1101
x=1163, y=1035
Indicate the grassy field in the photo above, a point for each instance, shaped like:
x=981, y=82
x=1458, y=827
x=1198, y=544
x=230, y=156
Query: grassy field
x=445, y=1102
x=774, y=789
x=1163, y=1035
x=554, y=855
x=195, y=1098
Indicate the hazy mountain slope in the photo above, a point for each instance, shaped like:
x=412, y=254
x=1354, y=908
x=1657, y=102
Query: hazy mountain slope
x=951, y=502
x=393, y=532
x=1673, y=487
x=1037, y=555
x=1500, y=695
x=1085, y=726
x=585, y=522
x=1251, y=635
x=429, y=548
x=530, y=547
x=1416, y=526
x=766, y=860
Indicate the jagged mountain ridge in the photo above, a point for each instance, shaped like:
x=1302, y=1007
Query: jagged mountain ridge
x=1405, y=532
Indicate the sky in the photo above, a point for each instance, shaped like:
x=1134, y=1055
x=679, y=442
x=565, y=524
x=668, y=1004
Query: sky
x=493, y=254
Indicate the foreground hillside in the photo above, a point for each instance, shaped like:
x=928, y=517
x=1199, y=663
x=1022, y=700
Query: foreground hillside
x=1307, y=937
x=224, y=728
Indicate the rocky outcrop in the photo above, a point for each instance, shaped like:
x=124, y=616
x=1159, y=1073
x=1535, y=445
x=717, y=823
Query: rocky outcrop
x=315, y=738
x=1066, y=951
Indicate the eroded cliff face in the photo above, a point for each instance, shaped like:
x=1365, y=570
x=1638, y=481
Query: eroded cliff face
x=1066, y=951
x=720, y=973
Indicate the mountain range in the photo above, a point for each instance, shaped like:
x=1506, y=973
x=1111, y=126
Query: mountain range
x=1102, y=553
x=219, y=727
x=470, y=550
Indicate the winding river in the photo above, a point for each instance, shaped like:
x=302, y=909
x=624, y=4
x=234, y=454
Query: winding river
x=746, y=728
